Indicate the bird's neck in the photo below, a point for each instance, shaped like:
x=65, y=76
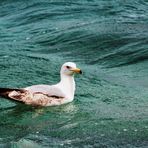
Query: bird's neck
x=67, y=84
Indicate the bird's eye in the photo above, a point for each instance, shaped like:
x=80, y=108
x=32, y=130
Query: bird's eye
x=67, y=67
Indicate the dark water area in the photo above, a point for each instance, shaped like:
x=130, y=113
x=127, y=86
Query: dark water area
x=108, y=39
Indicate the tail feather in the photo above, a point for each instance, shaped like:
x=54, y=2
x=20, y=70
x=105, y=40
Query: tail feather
x=4, y=92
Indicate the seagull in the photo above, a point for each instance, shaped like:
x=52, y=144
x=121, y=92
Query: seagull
x=46, y=95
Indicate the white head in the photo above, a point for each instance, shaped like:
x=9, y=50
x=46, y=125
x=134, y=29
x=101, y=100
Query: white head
x=67, y=83
x=69, y=69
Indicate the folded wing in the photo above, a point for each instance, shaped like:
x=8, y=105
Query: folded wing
x=37, y=95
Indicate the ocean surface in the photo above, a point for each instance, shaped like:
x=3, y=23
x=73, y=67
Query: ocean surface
x=108, y=39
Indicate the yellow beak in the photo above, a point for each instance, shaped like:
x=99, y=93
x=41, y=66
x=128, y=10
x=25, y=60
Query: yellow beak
x=76, y=70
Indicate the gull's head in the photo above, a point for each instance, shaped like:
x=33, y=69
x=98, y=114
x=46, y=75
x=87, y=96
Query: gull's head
x=70, y=68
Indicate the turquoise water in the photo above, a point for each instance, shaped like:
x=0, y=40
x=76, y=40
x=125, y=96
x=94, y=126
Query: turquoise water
x=108, y=40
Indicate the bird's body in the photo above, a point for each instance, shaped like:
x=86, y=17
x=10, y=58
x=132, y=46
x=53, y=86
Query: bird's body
x=47, y=95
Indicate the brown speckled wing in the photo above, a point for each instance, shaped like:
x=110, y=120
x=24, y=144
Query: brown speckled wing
x=35, y=99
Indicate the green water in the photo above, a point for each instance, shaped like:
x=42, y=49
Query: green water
x=108, y=40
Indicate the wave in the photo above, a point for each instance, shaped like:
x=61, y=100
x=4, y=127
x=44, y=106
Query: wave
x=106, y=33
